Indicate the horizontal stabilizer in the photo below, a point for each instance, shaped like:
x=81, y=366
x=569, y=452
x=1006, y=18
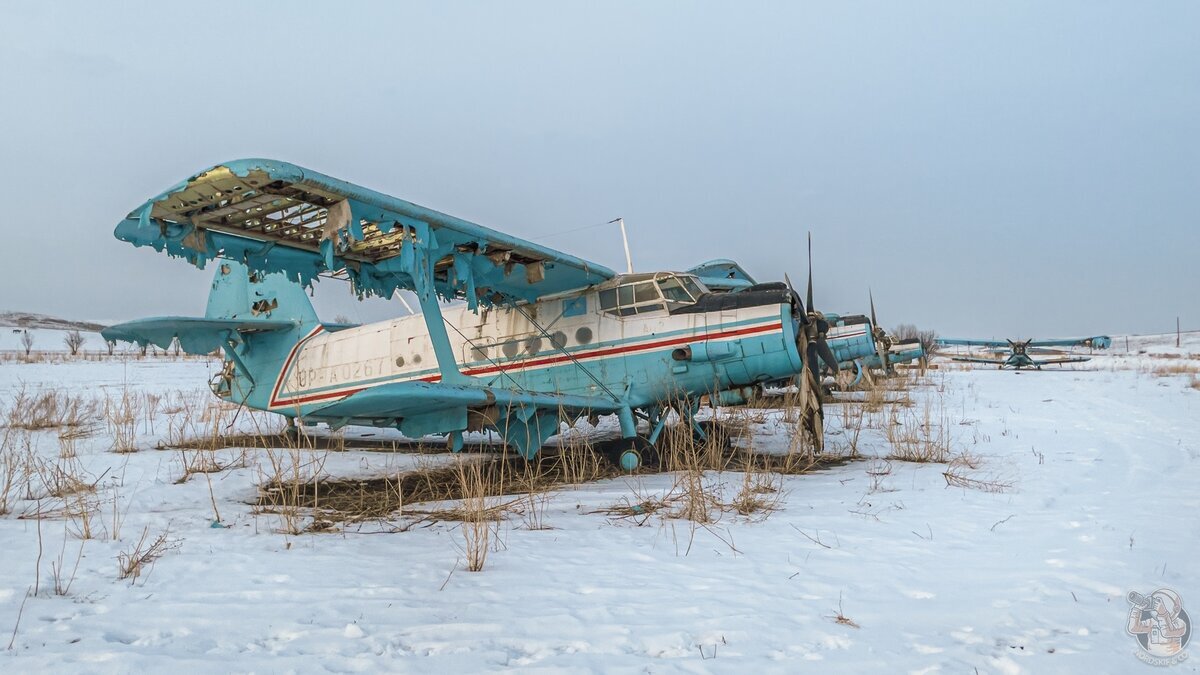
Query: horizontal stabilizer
x=196, y=335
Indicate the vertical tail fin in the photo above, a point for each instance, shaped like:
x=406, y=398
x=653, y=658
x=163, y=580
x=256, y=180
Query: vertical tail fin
x=239, y=293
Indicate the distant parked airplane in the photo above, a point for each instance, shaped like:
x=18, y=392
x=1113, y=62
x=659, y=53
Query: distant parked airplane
x=1015, y=354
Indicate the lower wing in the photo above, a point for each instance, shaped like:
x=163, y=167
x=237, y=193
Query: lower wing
x=974, y=359
x=1051, y=362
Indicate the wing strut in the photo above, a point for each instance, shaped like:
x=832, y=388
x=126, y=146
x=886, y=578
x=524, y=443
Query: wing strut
x=415, y=251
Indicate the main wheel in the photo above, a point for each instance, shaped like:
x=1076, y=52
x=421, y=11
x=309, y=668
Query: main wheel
x=631, y=454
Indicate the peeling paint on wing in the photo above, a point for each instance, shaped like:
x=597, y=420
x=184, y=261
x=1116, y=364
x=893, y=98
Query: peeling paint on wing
x=276, y=217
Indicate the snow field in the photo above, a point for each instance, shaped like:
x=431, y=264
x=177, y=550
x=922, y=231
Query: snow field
x=1086, y=490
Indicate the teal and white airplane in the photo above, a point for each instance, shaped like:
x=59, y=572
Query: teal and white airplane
x=1018, y=354
x=537, y=338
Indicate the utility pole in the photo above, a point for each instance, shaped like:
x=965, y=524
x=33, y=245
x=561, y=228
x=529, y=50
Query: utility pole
x=1176, y=331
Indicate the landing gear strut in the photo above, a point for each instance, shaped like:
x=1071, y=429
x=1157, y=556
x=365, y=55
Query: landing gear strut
x=292, y=432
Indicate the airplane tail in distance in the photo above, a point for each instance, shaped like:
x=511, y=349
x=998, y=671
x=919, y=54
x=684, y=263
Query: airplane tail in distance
x=241, y=294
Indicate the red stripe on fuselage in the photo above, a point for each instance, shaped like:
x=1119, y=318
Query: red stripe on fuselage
x=287, y=364
x=610, y=351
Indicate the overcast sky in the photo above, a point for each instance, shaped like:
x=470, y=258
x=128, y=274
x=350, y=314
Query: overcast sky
x=988, y=169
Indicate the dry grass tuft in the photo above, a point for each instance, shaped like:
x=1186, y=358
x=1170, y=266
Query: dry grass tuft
x=121, y=417
x=1173, y=369
x=141, y=558
x=49, y=409
x=957, y=478
x=760, y=493
x=923, y=437
x=478, y=518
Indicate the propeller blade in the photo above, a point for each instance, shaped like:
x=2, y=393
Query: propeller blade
x=810, y=290
x=880, y=348
x=827, y=354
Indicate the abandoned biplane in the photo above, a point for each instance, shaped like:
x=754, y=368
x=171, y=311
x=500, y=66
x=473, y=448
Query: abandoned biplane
x=1017, y=354
x=542, y=337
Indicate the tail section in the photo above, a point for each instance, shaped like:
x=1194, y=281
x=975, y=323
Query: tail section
x=244, y=295
x=256, y=319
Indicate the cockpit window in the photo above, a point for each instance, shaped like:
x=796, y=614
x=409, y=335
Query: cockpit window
x=674, y=291
x=651, y=295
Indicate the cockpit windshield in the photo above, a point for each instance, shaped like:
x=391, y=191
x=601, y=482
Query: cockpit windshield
x=674, y=291
x=651, y=294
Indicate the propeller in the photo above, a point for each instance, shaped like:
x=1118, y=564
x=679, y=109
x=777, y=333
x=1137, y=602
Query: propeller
x=818, y=326
x=882, y=343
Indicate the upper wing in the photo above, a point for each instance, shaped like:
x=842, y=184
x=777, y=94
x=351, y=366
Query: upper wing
x=973, y=359
x=1097, y=341
x=723, y=275
x=279, y=217
x=973, y=343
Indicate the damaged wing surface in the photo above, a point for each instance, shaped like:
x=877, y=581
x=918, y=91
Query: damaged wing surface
x=278, y=217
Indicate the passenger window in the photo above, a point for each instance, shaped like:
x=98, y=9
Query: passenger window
x=533, y=345
x=608, y=299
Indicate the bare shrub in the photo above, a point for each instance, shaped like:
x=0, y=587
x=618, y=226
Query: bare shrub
x=26, y=341
x=140, y=559
x=74, y=341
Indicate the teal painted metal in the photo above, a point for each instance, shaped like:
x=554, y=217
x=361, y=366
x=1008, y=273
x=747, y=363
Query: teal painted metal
x=198, y=238
x=723, y=275
x=259, y=313
x=851, y=338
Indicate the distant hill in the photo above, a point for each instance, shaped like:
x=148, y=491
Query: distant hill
x=31, y=320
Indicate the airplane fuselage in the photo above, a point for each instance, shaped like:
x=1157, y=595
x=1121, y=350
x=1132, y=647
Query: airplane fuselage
x=562, y=345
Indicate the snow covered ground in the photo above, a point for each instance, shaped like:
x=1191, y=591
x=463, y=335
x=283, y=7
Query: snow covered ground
x=1089, y=478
